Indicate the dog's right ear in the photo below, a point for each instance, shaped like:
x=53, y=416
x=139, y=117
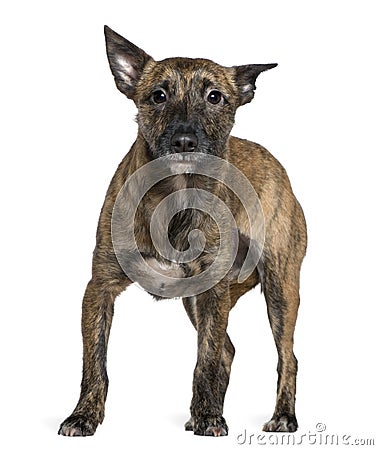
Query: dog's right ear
x=126, y=61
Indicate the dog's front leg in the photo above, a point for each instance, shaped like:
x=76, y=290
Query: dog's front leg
x=212, y=309
x=97, y=314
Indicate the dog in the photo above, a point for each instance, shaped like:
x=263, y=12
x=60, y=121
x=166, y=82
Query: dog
x=186, y=110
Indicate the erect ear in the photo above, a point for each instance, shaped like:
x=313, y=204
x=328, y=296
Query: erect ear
x=245, y=77
x=126, y=61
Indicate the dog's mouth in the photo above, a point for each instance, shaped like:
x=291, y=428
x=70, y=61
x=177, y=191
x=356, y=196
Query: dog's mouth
x=184, y=162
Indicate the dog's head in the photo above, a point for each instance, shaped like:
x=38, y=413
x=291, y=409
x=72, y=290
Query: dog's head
x=184, y=105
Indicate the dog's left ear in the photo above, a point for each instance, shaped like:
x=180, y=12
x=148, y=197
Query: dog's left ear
x=245, y=77
x=126, y=61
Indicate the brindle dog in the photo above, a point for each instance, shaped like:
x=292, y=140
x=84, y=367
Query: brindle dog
x=189, y=105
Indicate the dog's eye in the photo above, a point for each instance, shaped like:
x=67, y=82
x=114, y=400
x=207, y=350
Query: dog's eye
x=214, y=97
x=159, y=97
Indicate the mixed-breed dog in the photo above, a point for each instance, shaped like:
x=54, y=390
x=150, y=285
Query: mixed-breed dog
x=187, y=107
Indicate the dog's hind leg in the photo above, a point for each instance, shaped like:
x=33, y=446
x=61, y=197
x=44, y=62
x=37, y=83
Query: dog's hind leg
x=282, y=299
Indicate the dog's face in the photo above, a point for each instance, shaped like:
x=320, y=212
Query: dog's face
x=191, y=102
x=184, y=105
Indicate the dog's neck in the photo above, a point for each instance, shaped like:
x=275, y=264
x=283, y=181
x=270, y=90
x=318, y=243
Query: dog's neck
x=182, y=186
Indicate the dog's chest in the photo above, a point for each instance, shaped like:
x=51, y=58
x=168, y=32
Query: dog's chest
x=181, y=229
x=174, y=208
x=174, y=228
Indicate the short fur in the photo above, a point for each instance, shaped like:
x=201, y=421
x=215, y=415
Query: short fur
x=172, y=97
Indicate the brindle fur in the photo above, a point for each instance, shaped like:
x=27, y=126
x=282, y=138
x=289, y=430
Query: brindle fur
x=186, y=81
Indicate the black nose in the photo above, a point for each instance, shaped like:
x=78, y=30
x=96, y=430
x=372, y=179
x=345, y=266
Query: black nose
x=184, y=142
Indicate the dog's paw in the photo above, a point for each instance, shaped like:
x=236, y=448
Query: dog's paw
x=189, y=425
x=285, y=423
x=77, y=425
x=209, y=426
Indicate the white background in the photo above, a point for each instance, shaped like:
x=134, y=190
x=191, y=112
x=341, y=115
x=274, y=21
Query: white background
x=64, y=129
